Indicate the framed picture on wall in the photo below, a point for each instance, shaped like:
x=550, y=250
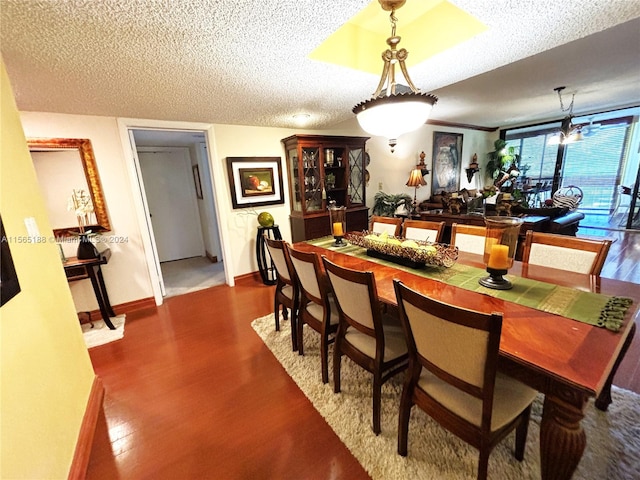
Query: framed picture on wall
x=447, y=151
x=255, y=181
x=196, y=181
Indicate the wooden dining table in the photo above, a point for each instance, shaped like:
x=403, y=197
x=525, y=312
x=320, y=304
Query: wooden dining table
x=566, y=360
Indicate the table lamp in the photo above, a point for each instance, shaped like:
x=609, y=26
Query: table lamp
x=416, y=180
x=499, y=250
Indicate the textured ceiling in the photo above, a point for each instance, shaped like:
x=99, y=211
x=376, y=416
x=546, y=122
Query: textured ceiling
x=246, y=62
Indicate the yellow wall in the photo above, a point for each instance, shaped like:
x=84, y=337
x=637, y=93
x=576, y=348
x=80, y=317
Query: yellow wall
x=46, y=374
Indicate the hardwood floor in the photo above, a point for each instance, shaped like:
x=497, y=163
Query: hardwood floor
x=192, y=392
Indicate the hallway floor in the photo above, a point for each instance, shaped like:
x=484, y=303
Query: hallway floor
x=190, y=275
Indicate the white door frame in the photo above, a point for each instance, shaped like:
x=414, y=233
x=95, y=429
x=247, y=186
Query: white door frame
x=217, y=180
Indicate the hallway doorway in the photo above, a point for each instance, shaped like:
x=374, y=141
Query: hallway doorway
x=176, y=183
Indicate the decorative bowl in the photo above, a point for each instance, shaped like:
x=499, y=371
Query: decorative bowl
x=411, y=253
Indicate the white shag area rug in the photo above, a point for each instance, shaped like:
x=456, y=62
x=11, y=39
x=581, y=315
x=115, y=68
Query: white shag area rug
x=613, y=437
x=99, y=333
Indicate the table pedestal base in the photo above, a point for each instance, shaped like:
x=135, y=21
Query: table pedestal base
x=562, y=439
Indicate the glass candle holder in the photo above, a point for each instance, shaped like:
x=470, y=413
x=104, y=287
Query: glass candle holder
x=338, y=223
x=500, y=246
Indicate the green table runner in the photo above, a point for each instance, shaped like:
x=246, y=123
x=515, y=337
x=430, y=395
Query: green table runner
x=592, y=308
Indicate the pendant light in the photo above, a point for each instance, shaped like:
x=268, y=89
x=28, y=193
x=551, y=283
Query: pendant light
x=398, y=109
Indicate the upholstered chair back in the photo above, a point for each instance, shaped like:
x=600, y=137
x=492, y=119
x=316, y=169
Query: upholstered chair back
x=423, y=230
x=567, y=253
x=468, y=238
x=277, y=255
x=306, y=272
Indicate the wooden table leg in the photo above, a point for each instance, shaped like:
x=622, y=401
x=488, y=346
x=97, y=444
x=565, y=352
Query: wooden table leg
x=562, y=439
x=604, y=399
x=99, y=296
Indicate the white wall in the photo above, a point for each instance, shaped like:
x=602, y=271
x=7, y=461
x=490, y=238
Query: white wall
x=127, y=273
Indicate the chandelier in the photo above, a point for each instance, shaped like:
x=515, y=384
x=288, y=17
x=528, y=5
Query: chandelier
x=568, y=133
x=398, y=109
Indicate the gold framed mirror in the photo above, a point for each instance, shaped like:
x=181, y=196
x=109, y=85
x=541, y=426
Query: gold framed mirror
x=62, y=166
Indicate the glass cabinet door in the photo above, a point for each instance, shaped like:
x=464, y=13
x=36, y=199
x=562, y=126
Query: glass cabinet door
x=312, y=183
x=296, y=198
x=356, y=176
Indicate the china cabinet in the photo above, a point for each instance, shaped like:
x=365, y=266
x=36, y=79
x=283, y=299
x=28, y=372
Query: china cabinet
x=321, y=169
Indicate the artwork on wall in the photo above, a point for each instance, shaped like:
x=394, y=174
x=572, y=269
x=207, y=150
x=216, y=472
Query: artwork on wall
x=447, y=151
x=196, y=181
x=9, y=284
x=255, y=181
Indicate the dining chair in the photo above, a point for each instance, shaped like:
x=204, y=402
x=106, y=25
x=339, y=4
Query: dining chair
x=391, y=225
x=287, y=290
x=423, y=230
x=468, y=238
x=453, y=377
x=564, y=252
x=371, y=339
x=317, y=307
x=580, y=255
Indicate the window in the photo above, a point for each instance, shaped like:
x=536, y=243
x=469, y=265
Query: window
x=600, y=164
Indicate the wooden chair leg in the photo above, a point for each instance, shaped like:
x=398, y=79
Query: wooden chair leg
x=337, y=360
x=403, y=420
x=299, y=332
x=324, y=358
x=377, y=394
x=521, y=433
x=276, y=312
x=604, y=399
x=294, y=329
x=483, y=462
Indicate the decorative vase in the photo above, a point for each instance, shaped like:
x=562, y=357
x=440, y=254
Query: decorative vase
x=86, y=248
x=500, y=245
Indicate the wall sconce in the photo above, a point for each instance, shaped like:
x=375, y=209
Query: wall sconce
x=473, y=167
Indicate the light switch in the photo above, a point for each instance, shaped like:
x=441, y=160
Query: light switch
x=32, y=227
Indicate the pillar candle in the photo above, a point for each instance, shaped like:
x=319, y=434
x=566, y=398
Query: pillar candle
x=337, y=229
x=499, y=257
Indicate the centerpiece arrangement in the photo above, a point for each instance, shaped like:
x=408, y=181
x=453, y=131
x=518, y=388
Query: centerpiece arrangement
x=80, y=203
x=410, y=253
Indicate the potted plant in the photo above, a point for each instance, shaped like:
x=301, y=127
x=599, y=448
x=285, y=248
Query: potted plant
x=501, y=158
x=385, y=204
x=330, y=179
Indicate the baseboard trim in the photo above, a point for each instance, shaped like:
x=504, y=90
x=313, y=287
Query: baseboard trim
x=80, y=462
x=129, y=307
x=123, y=308
x=249, y=276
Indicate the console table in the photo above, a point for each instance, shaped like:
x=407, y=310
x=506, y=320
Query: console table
x=76, y=269
x=566, y=224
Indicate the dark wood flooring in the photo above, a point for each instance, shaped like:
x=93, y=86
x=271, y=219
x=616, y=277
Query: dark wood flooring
x=192, y=392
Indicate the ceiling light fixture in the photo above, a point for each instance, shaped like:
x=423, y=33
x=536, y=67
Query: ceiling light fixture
x=568, y=133
x=399, y=109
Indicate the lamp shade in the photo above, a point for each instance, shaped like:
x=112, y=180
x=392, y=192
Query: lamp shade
x=393, y=115
x=415, y=178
